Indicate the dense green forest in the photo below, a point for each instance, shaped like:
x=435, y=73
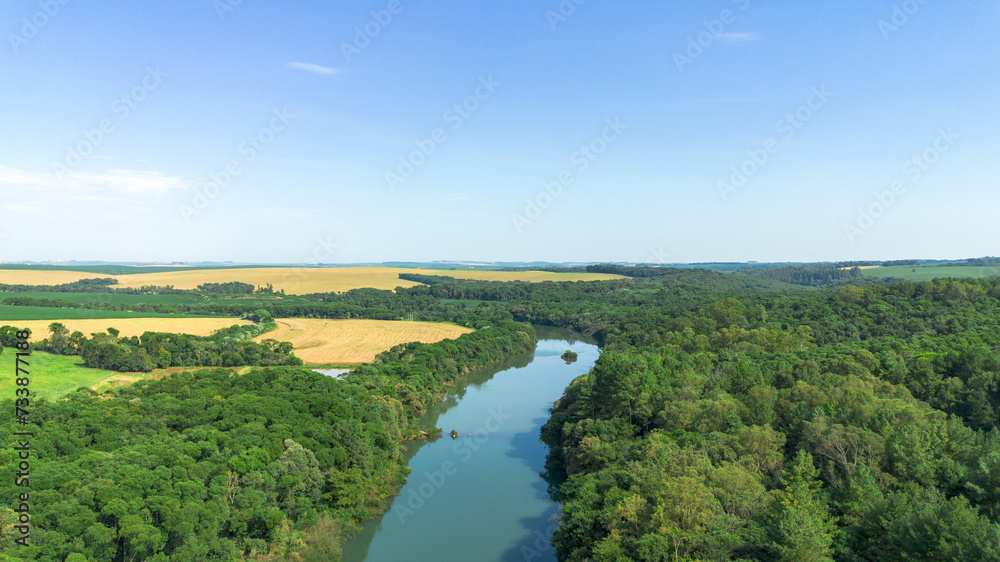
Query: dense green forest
x=757, y=416
x=815, y=275
x=427, y=279
x=230, y=288
x=856, y=424
x=44, y=303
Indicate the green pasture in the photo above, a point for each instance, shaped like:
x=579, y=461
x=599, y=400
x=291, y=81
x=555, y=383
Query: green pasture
x=50, y=376
x=8, y=313
x=929, y=273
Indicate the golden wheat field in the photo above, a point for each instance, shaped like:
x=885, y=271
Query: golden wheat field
x=294, y=280
x=130, y=326
x=43, y=277
x=861, y=267
x=299, y=281
x=341, y=342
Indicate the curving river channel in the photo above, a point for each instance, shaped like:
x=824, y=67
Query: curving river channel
x=480, y=496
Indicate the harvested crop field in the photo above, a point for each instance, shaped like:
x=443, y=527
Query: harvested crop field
x=130, y=326
x=341, y=342
x=42, y=277
x=299, y=281
x=294, y=280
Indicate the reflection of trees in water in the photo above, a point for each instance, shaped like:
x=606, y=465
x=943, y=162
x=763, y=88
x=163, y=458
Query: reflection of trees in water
x=567, y=335
x=554, y=476
x=475, y=378
x=534, y=544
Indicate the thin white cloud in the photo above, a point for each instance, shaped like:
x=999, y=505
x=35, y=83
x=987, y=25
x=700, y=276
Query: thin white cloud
x=86, y=204
x=314, y=68
x=22, y=178
x=132, y=181
x=120, y=180
x=739, y=37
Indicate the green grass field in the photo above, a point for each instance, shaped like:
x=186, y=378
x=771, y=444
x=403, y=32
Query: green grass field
x=114, y=298
x=51, y=376
x=111, y=298
x=11, y=313
x=929, y=273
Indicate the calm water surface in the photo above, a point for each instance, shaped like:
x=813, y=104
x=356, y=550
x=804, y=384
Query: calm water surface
x=480, y=497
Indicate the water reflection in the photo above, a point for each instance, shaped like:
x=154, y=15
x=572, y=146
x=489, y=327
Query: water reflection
x=494, y=504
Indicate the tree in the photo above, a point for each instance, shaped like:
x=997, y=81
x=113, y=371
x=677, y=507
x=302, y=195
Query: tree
x=59, y=343
x=921, y=524
x=298, y=479
x=683, y=513
x=801, y=527
x=163, y=358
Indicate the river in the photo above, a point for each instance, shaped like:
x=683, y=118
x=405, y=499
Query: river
x=480, y=497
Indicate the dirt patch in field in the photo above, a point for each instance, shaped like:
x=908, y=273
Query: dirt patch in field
x=160, y=373
x=115, y=381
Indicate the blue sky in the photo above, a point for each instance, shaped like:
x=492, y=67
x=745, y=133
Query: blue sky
x=406, y=130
